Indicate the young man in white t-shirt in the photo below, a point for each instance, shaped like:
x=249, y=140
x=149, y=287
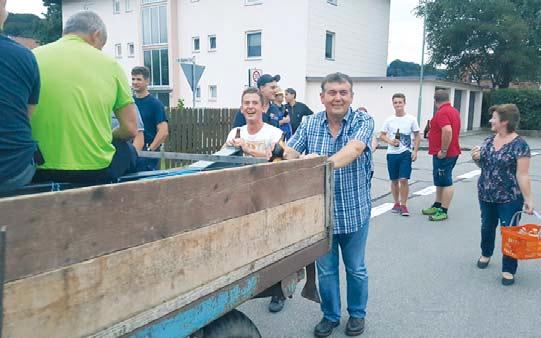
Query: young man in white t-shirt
x=256, y=137
x=401, y=133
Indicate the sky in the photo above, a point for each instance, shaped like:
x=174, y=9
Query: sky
x=26, y=6
x=405, y=30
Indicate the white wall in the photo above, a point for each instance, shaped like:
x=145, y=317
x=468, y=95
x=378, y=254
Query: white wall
x=122, y=28
x=283, y=41
x=361, y=40
x=376, y=96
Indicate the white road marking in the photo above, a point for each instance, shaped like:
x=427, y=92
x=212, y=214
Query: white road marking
x=534, y=153
x=381, y=209
x=426, y=191
x=470, y=174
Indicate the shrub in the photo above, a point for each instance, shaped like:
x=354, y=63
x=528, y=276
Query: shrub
x=528, y=102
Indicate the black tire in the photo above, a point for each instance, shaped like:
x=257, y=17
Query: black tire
x=234, y=324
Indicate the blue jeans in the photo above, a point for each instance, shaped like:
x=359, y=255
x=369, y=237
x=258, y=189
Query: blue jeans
x=352, y=246
x=22, y=178
x=491, y=213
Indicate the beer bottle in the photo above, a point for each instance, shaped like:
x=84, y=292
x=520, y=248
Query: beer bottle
x=427, y=129
x=278, y=151
x=237, y=135
x=397, y=135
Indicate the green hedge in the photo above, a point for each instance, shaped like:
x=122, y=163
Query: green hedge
x=527, y=100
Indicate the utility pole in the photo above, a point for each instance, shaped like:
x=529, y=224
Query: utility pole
x=421, y=75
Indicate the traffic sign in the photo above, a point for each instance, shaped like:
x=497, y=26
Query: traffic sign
x=193, y=73
x=253, y=76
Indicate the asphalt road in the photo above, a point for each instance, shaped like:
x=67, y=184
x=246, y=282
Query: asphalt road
x=423, y=281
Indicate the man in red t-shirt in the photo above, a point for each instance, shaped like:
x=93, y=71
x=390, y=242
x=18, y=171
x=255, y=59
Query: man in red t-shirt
x=444, y=147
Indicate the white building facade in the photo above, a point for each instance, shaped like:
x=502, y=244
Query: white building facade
x=302, y=40
x=296, y=39
x=375, y=94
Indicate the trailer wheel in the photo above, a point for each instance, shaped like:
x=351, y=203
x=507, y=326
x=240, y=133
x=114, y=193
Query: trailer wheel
x=234, y=324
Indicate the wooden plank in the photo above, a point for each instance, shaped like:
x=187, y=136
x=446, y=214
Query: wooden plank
x=51, y=230
x=88, y=297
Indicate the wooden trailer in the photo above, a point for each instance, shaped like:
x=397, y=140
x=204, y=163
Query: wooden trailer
x=164, y=257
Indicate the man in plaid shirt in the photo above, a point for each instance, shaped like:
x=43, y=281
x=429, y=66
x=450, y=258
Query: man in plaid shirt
x=344, y=136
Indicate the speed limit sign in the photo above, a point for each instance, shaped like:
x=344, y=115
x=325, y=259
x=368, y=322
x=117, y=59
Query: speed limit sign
x=254, y=75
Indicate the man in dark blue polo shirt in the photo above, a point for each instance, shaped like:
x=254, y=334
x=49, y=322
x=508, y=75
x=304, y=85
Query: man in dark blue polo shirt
x=267, y=85
x=19, y=93
x=153, y=115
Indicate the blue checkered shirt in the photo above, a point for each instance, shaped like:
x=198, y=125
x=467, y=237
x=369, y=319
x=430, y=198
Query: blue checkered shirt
x=352, y=203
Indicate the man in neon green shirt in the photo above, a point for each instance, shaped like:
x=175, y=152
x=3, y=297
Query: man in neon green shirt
x=80, y=88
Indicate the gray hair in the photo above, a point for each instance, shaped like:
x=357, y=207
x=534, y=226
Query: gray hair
x=334, y=78
x=86, y=22
x=441, y=96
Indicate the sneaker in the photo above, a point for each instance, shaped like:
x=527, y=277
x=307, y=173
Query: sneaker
x=396, y=208
x=404, y=210
x=325, y=327
x=355, y=326
x=429, y=211
x=276, y=304
x=438, y=216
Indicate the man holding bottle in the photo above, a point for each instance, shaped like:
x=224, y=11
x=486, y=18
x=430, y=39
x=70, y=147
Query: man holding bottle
x=402, y=150
x=256, y=137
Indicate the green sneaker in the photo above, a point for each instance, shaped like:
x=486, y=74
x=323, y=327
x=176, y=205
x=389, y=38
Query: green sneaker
x=438, y=216
x=429, y=211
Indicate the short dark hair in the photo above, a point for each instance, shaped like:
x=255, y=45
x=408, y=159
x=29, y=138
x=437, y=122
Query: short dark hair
x=252, y=90
x=336, y=77
x=292, y=92
x=399, y=96
x=141, y=70
x=441, y=96
x=508, y=112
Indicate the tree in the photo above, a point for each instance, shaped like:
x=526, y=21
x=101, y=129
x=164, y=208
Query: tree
x=51, y=27
x=495, y=39
x=23, y=25
x=399, y=68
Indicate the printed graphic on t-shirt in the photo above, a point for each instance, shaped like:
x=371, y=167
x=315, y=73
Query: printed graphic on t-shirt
x=405, y=140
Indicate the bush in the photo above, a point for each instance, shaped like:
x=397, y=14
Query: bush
x=528, y=102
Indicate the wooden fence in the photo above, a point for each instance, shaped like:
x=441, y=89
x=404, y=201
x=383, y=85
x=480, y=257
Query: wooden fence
x=197, y=131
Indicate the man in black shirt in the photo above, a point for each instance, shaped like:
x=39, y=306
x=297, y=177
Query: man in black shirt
x=297, y=110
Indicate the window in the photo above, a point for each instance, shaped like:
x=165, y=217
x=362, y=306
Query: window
x=198, y=93
x=144, y=2
x=329, y=45
x=116, y=6
x=131, y=50
x=253, y=45
x=212, y=43
x=213, y=92
x=253, y=2
x=333, y=2
x=196, y=44
x=154, y=25
x=128, y=6
x=118, y=50
x=157, y=60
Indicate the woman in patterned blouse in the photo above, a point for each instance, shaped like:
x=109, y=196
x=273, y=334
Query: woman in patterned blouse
x=504, y=185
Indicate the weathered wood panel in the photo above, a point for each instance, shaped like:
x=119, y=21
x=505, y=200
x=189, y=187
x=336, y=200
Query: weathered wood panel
x=198, y=131
x=87, y=297
x=52, y=230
